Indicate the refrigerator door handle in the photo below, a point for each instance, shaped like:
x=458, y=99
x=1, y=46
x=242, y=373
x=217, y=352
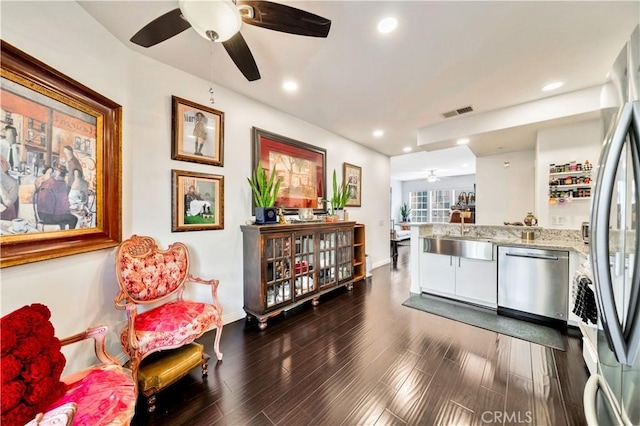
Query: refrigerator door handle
x=589, y=396
x=622, y=341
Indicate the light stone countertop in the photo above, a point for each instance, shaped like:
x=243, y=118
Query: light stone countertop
x=550, y=239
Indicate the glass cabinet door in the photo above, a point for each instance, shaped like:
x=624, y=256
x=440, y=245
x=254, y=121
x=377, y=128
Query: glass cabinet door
x=327, y=258
x=304, y=264
x=345, y=254
x=278, y=270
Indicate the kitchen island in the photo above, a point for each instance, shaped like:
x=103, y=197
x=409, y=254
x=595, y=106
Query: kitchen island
x=472, y=278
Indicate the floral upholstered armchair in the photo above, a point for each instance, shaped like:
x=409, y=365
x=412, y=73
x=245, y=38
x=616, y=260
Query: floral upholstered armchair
x=148, y=275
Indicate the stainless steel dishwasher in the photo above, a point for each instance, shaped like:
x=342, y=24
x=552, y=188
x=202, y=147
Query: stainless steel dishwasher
x=533, y=282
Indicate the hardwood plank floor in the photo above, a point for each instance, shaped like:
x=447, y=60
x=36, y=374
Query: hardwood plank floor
x=360, y=357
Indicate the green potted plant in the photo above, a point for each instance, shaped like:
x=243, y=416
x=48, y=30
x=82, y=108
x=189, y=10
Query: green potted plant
x=265, y=191
x=405, y=210
x=340, y=196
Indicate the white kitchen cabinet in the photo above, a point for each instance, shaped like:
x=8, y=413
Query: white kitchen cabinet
x=437, y=273
x=469, y=280
x=477, y=280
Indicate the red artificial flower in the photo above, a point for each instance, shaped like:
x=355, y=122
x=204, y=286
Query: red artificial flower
x=10, y=368
x=42, y=310
x=19, y=415
x=39, y=391
x=58, y=361
x=11, y=395
x=28, y=348
x=37, y=369
x=31, y=355
x=8, y=340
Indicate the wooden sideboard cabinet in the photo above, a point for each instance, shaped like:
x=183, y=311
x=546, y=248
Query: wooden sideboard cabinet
x=286, y=265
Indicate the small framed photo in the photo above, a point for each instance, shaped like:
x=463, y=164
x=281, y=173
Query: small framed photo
x=198, y=133
x=197, y=201
x=352, y=176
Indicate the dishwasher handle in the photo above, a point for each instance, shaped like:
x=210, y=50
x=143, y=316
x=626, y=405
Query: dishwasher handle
x=533, y=256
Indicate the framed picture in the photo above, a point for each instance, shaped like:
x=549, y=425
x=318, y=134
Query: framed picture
x=198, y=201
x=62, y=199
x=300, y=166
x=198, y=133
x=352, y=176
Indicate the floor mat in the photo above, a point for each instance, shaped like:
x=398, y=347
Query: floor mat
x=489, y=320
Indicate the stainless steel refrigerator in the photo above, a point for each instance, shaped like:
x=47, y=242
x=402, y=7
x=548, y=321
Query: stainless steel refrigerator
x=612, y=396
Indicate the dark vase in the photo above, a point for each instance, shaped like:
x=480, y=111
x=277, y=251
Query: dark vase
x=266, y=215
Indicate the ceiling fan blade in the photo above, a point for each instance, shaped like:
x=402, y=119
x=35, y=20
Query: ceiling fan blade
x=286, y=19
x=241, y=55
x=161, y=29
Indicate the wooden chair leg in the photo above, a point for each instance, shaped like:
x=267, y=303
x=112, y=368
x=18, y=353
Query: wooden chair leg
x=205, y=363
x=151, y=403
x=216, y=343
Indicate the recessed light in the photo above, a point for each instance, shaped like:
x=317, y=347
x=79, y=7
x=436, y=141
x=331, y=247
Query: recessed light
x=552, y=86
x=387, y=25
x=290, y=86
x=378, y=133
x=407, y=149
x=462, y=141
x=465, y=165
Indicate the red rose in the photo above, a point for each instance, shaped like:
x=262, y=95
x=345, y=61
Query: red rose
x=15, y=322
x=42, y=329
x=9, y=368
x=19, y=415
x=37, y=369
x=11, y=395
x=58, y=362
x=54, y=345
x=8, y=340
x=44, y=393
x=38, y=391
x=41, y=309
x=28, y=348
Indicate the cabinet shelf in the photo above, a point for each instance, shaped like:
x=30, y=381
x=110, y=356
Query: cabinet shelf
x=572, y=186
x=569, y=198
x=572, y=173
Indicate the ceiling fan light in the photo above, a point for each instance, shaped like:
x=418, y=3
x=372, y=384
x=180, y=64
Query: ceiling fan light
x=432, y=178
x=220, y=16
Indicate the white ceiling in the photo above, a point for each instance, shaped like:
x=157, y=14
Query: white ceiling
x=443, y=56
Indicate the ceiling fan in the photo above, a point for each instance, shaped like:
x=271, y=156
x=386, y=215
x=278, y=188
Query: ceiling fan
x=431, y=177
x=220, y=21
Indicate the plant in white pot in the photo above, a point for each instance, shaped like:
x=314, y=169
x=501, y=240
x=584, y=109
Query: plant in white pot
x=339, y=198
x=265, y=191
x=405, y=210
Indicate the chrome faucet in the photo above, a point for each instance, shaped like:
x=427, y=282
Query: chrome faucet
x=462, y=230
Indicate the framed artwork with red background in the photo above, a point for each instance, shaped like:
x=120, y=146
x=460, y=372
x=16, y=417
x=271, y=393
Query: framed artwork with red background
x=300, y=167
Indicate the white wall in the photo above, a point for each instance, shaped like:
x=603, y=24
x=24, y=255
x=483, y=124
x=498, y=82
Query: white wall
x=397, y=197
x=504, y=194
x=80, y=289
x=560, y=145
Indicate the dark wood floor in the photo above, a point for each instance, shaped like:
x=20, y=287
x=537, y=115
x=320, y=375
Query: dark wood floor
x=360, y=357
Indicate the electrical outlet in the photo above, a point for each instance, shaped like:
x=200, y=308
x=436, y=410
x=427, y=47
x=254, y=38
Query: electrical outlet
x=381, y=223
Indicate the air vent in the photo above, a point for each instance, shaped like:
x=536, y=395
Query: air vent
x=458, y=111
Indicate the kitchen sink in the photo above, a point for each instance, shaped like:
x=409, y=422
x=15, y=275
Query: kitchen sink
x=481, y=248
x=466, y=237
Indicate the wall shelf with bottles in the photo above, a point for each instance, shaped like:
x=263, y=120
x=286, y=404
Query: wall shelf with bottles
x=570, y=181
